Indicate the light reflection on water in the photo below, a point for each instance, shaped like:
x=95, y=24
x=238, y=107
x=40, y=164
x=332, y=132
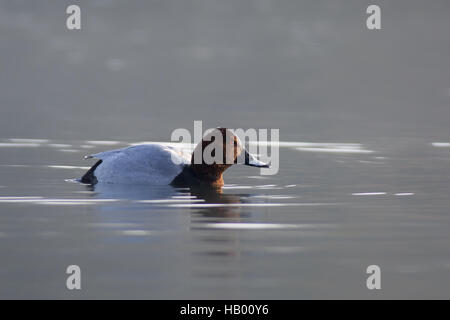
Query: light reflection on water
x=365, y=156
x=326, y=214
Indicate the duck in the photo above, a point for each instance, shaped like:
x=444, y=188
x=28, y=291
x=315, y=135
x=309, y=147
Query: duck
x=160, y=164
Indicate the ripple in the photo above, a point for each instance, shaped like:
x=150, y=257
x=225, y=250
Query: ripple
x=170, y=200
x=262, y=226
x=262, y=186
x=103, y=142
x=276, y=197
x=67, y=167
x=184, y=197
x=284, y=250
x=368, y=193
x=232, y=186
x=266, y=186
x=112, y=225
x=441, y=144
x=135, y=233
x=14, y=198
x=19, y=199
x=21, y=145
x=213, y=205
x=59, y=145
x=74, y=201
x=336, y=150
x=20, y=140
x=15, y=165
x=50, y=201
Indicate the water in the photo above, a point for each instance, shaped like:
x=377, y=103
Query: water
x=365, y=160
x=308, y=232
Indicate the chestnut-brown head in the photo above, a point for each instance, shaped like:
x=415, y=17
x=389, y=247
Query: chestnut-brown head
x=218, y=151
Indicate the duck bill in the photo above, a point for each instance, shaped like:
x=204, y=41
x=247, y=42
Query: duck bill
x=250, y=160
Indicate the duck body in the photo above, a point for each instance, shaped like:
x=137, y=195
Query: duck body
x=159, y=164
x=141, y=164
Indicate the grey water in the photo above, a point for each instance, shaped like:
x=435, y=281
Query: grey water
x=364, y=156
x=308, y=232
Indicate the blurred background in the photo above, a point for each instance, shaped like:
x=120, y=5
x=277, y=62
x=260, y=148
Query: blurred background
x=139, y=69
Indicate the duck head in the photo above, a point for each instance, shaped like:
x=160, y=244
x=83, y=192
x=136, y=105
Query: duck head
x=218, y=150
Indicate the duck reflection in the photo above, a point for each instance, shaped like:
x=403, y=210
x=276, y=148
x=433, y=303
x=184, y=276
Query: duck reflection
x=197, y=208
x=133, y=192
x=216, y=202
x=199, y=200
x=225, y=245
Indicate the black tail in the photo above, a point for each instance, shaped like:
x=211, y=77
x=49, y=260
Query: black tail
x=89, y=175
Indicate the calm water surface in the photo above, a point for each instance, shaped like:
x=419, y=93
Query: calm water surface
x=308, y=232
x=363, y=180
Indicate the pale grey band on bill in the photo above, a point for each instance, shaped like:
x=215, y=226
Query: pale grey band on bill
x=250, y=160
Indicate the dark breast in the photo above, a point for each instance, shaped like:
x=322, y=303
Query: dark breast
x=185, y=178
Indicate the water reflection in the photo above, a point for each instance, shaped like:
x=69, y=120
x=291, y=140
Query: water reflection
x=132, y=192
x=216, y=196
x=215, y=244
x=213, y=207
x=212, y=202
x=255, y=233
